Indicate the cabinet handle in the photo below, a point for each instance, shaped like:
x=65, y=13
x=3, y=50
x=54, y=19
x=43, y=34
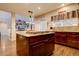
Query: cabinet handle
x=49, y=40
x=38, y=45
x=35, y=46
x=46, y=40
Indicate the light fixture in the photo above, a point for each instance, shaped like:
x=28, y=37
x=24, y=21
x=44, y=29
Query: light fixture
x=39, y=8
x=30, y=13
x=62, y=4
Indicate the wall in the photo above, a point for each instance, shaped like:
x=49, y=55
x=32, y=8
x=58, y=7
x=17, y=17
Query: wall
x=55, y=12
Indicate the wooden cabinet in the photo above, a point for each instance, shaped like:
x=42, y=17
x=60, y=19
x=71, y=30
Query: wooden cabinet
x=73, y=14
x=68, y=15
x=60, y=37
x=52, y=18
x=37, y=50
x=49, y=46
x=67, y=38
x=41, y=45
x=78, y=13
x=73, y=39
x=21, y=45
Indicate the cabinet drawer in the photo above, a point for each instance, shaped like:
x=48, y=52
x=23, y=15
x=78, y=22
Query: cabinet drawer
x=37, y=50
x=35, y=39
x=73, y=37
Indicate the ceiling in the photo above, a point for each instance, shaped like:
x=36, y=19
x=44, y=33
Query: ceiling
x=23, y=8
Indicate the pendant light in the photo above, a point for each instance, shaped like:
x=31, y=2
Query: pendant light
x=31, y=17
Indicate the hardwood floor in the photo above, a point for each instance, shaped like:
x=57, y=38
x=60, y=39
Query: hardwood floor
x=61, y=50
x=8, y=48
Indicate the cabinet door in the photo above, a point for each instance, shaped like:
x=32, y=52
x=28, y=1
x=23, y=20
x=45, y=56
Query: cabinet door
x=37, y=50
x=49, y=46
x=73, y=40
x=70, y=40
x=60, y=38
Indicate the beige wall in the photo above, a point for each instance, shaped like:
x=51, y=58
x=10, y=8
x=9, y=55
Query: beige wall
x=66, y=8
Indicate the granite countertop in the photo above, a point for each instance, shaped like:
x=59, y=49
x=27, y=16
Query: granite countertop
x=29, y=34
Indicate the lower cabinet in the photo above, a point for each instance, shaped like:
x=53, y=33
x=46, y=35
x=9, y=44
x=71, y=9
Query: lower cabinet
x=21, y=45
x=42, y=45
x=61, y=37
x=49, y=46
x=73, y=40
x=67, y=38
x=37, y=50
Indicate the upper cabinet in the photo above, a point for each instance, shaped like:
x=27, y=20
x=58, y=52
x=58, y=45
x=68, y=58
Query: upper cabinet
x=65, y=19
x=78, y=13
x=66, y=15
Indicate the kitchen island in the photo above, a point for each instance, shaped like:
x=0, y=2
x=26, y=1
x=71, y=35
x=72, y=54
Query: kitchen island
x=34, y=43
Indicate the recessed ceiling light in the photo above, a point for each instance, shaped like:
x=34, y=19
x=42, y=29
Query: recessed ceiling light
x=39, y=8
x=62, y=4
